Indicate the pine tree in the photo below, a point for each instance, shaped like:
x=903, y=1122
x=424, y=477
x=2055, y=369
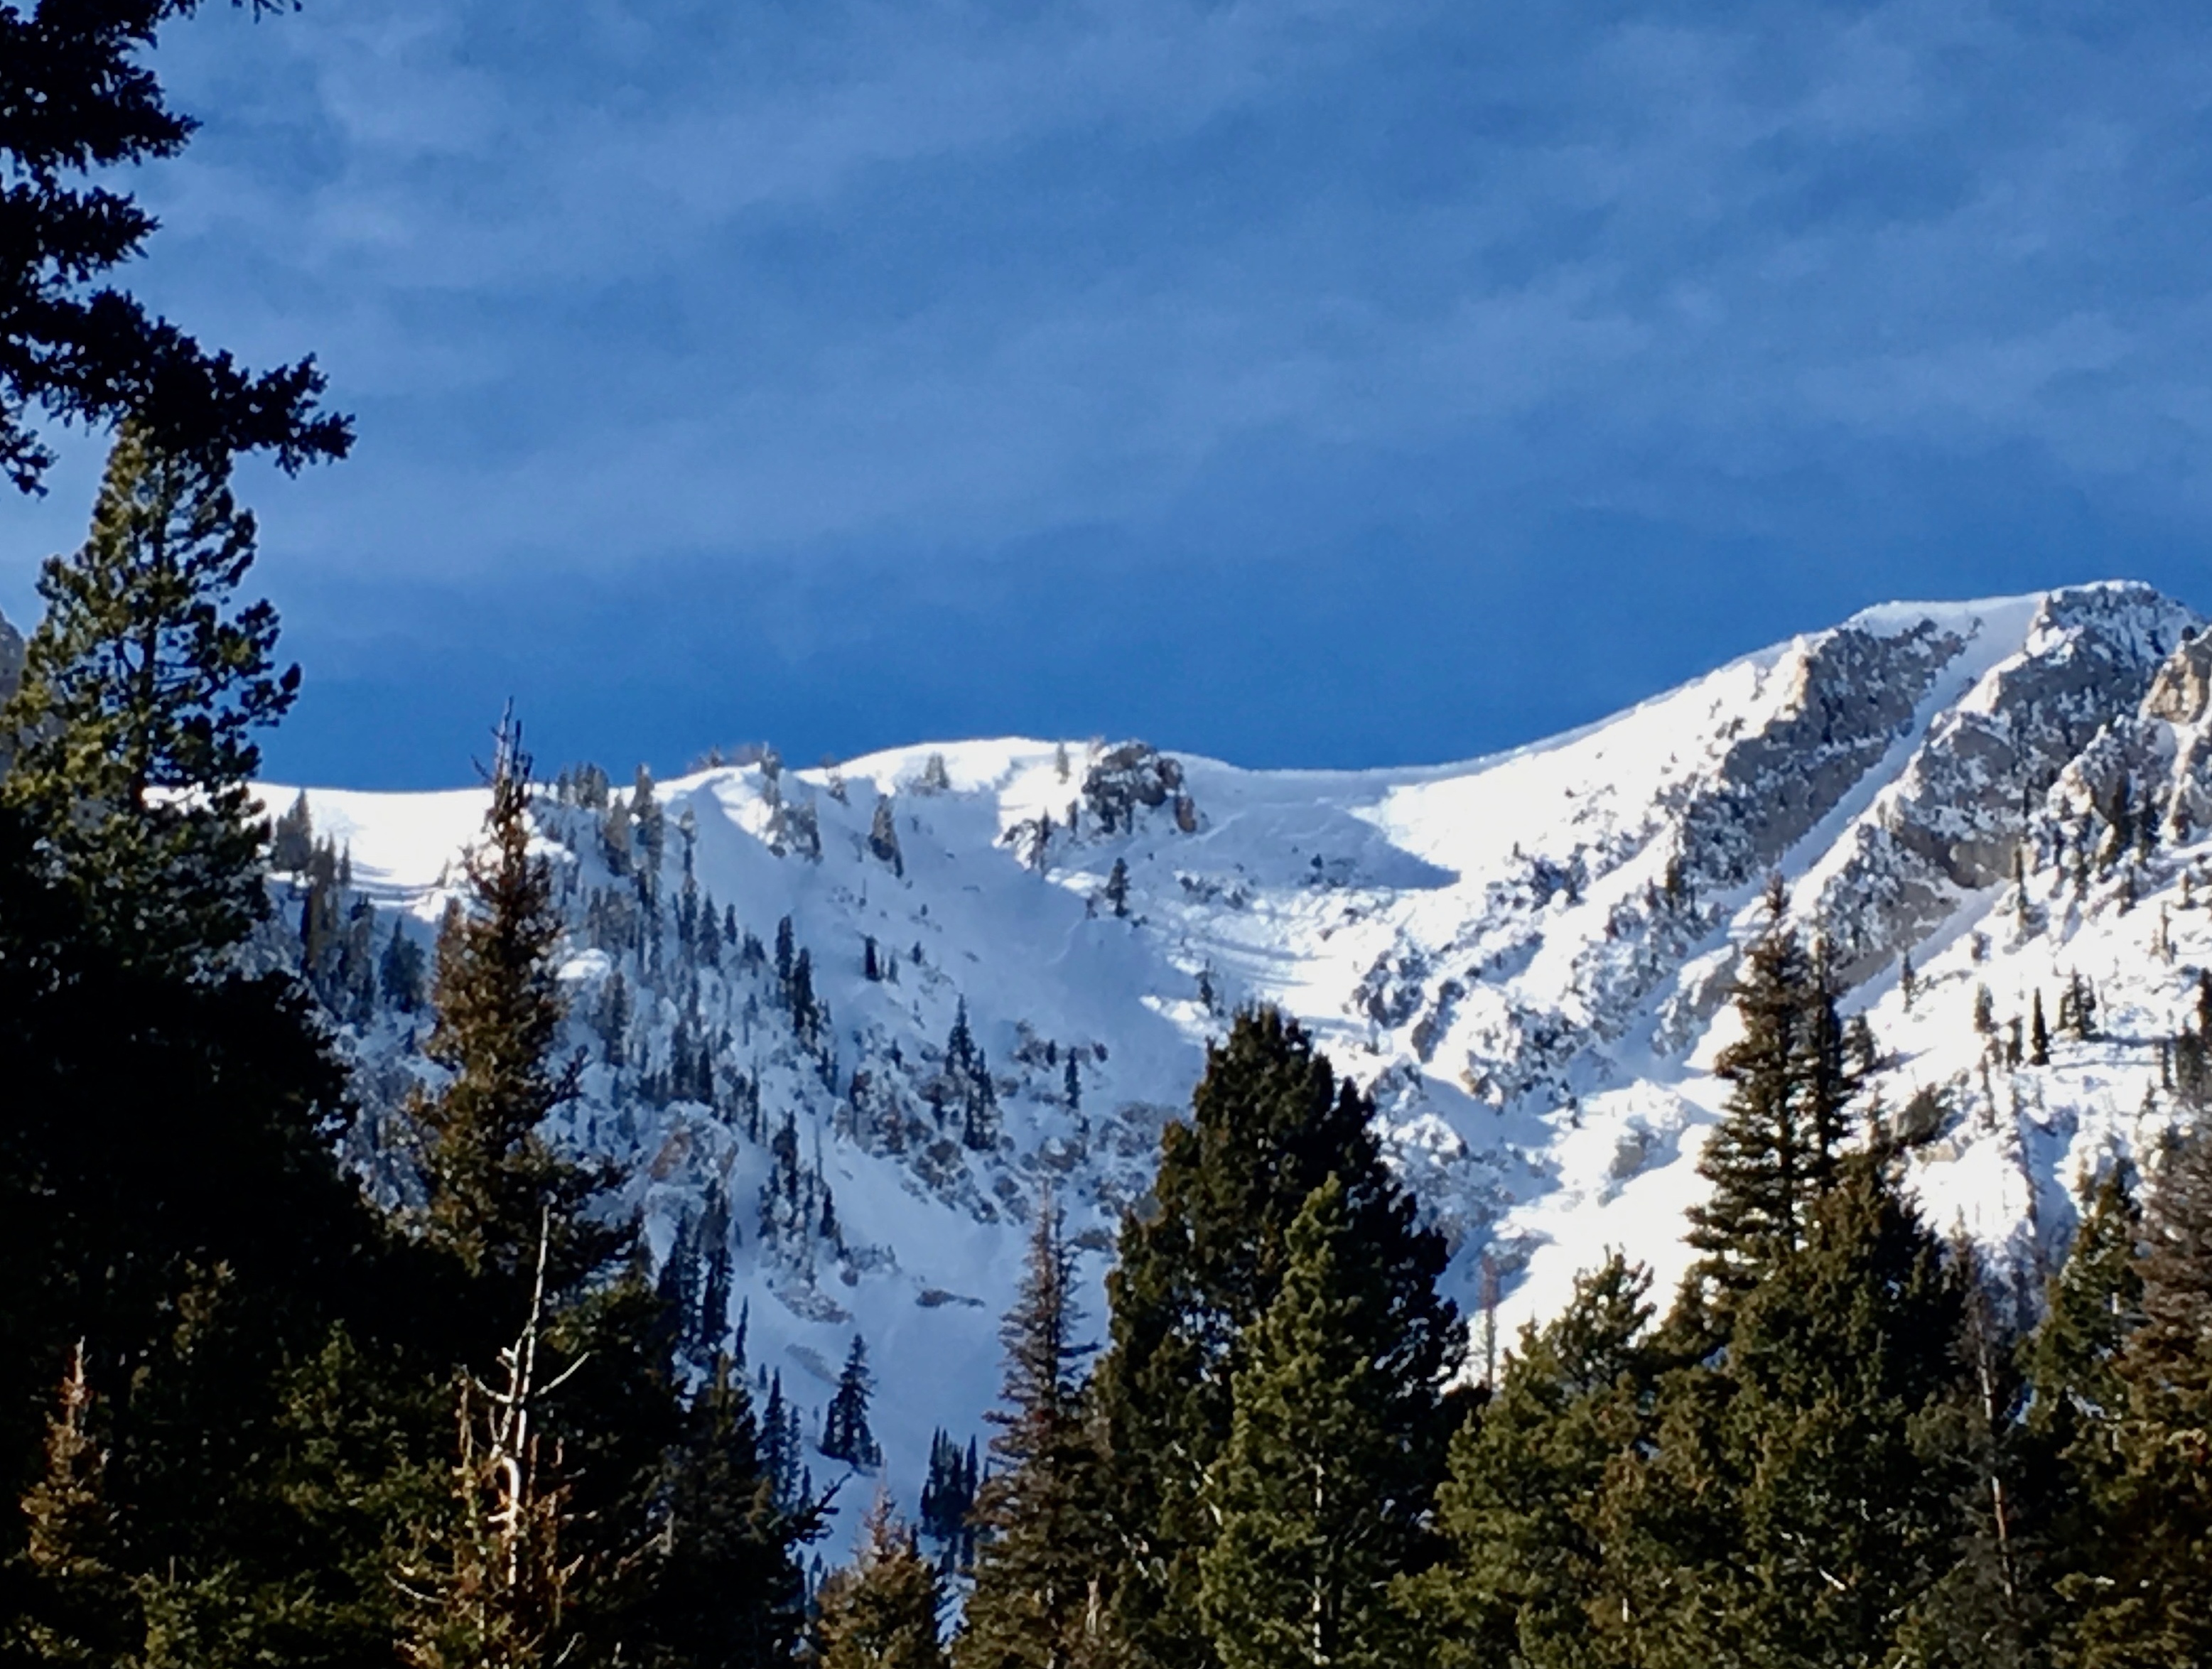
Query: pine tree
x=881, y=1612
x=1036, y=1602
x=2038, y=1034
x=399, y=972
x=882, y=835
x=142, y=688
x=948, y=1495
x=1820, y=1525
x=845, y=1433
x=74, y=1606
x=1775, y=1149
x=1270, y=1123
x=493, y=1179
x=2146, y=1601
x=154, y=1080
x=1313, y=1525
x=725, y=1584
x=1536, y=1574
x=614, y=1019
x=2093, y=1304
x=652, y=825
x=1991, y=1608
x=292, y=838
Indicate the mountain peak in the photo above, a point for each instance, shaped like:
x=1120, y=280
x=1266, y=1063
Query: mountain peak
x=1014, y=952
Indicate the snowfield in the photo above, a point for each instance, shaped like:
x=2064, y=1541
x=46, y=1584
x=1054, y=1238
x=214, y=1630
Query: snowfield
x=1526, y=958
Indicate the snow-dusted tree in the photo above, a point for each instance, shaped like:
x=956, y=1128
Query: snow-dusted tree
x=882, y=835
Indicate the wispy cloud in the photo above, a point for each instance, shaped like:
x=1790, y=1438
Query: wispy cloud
x=832, y=285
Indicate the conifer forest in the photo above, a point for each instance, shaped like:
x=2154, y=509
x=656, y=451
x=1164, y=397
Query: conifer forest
x=307, y=1364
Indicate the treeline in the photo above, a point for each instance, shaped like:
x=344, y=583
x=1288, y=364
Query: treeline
x=249, y=1415
x=256, y=1416
x=1835, y=1447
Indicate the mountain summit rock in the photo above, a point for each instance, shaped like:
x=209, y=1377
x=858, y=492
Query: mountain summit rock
x=846, y=1081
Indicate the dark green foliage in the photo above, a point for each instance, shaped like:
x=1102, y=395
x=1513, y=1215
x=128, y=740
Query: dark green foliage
x=1827, y=1518
x=1270, y=1123
x=292, y=838
x=400, y=970
x=69, y=1602
x=948, y=1495
x=1992, y=1608
x=723, y=1579
x=1035, y=1603
x=1314, y=1512
x=1775, y=1150
x=2145, y=1599
x=2094, y=1302
x=493, y=1180
x=882, y=1611
x=1536, y=1574
x=77, y=106
x=845, y=1433
x=142, y=686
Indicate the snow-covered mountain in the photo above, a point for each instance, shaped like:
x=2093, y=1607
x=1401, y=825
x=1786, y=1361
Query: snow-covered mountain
x=1003, y=960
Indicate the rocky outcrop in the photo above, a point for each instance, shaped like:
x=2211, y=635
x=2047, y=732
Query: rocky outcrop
x=1953, y=821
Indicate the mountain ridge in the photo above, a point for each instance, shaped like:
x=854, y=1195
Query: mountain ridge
x=1525, y=958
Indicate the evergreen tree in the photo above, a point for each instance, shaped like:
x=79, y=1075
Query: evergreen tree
x=1819, y=1523
x=1991, y=1608
x=142, y=688
x=154, y=1081
x=845, y=1434
x=2146, y=1601
x=72, y=1604
x=652, y=824
x=2093, y=1303
x=1537, y=1571
x=882, y=835
x=399, y=972
x=1312, y=1524
x=292, y=838
x=882, y=1611
x=74, y=343
x=494, y=1180
x=948, y=1495
x=1036, y=1602
x=1270, y=1123
x=726, y=1588
x=1775, y=1149
x=614, y=1019
x=2038, y=1034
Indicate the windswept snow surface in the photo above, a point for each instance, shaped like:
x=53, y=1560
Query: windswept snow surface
x=1525, y=957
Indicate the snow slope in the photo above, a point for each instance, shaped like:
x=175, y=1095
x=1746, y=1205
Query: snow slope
x=1526, y=957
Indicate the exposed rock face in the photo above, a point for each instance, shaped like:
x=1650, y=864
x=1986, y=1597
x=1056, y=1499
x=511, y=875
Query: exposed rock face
x=2182, y=691
x=1953, y=821
x=1526, y=959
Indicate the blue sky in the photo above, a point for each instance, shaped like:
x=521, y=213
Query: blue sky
x=1297, y=383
